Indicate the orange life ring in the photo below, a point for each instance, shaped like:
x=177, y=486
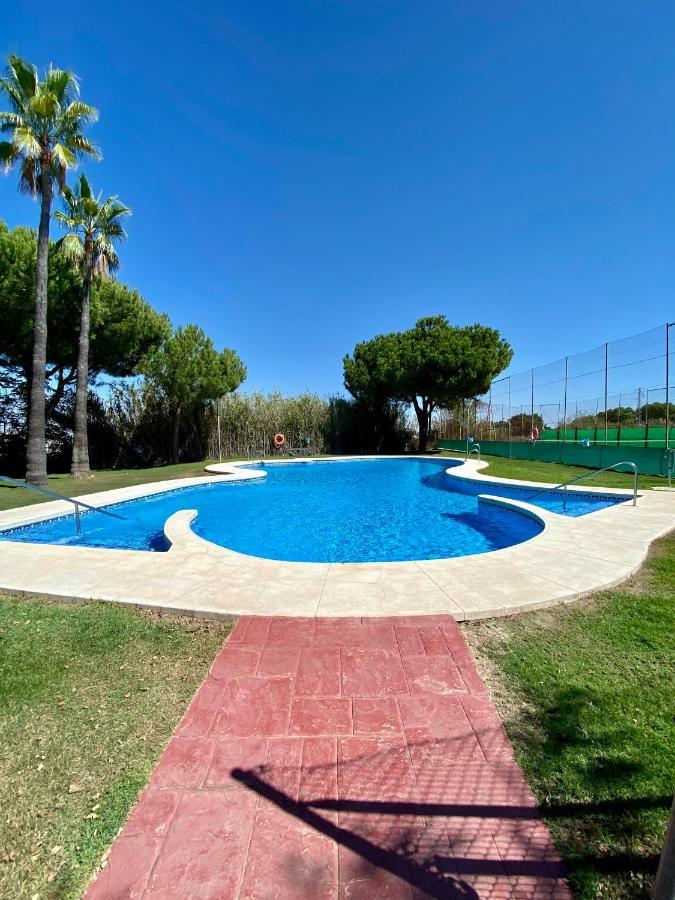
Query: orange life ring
x=534, y=434
x=279, y=439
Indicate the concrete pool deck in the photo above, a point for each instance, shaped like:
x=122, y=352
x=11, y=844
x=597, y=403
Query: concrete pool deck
x=569, y=558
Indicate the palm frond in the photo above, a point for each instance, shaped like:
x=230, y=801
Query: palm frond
x=114, y=231
x=62, y=84
x=106, y=259
x=90, y=219
x=8, y=153
x=114, y=209
x=72, y=248
x=13, y=91
x=84, y=188
x=80, y=113
x=25, y=74
x=29, y=177
x=63, y=156
x=45, y=121
x=65, y=220
x=44, y=105
x=69, y=199
x=82, y=145
x=9, y=121
x=26, y=143
x=59, y=174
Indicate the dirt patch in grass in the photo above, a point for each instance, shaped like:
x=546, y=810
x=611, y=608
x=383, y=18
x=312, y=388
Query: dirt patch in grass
x=89, y=695
x=587, y=694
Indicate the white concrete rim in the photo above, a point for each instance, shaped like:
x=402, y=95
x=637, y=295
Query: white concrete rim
x=567, y=559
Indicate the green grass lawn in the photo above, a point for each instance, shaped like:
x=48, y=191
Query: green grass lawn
x=88, y=698
x=501, y=467
x=103, y=480
x=587, y=693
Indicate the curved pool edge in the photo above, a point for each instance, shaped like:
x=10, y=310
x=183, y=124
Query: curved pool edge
x=471, y=471
x=185, y=538
x=568, y=559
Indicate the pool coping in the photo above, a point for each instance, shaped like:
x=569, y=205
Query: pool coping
x=569, y=558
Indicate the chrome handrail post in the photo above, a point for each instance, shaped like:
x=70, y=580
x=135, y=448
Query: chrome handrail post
x=635, y=484
x=565, y=484
x=76, y=503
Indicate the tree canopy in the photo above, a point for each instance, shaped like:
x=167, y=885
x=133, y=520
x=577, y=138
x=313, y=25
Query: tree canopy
x=523, y=422
x=94, y=225
x=188, y=370
x=432, y=365
x=124, y=327
x=45, y=124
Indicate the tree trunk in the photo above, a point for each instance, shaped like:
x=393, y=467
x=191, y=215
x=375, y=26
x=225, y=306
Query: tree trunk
x=62, y=381
x=36, y=450
x=423, y=424
x=176, y=431
x=79, y=467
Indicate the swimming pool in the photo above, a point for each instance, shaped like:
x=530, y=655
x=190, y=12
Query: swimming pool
x=362, y=510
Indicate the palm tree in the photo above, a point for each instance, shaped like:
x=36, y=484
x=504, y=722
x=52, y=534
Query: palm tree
x=94, y=226
x=45, y=127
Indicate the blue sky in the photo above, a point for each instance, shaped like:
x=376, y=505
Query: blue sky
x=307, y=173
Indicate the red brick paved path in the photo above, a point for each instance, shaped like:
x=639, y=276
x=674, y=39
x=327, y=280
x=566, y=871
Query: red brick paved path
x=327, y=758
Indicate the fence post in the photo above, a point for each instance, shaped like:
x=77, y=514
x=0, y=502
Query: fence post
x=606, y=357
x=667, y=385
x=532, y=406
x=490, y=412
x=565, y=406
x=558, y=419
x=510, y=417
x=618, y=425
x=220, y=452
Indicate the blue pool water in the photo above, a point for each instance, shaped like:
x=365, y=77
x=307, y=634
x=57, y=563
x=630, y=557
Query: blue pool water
x=354, y=511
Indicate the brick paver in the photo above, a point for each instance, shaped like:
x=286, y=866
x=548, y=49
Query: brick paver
x=337, y=758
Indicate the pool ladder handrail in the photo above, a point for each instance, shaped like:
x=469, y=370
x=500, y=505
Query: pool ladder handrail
x=670, y=465
x=76, y=503
x=565, y=484
x=475, y=448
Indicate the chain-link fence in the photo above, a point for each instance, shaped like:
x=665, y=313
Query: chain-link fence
x=619, y=393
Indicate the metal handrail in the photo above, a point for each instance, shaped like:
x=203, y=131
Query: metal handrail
x=76, y=503
x=475, y=448
x=670, y=465
x=564, y=485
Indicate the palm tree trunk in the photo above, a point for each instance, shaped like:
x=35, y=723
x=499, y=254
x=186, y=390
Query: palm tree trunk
x=79, y=467
x=36, y=450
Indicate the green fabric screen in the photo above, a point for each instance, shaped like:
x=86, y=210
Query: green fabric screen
x=649, y=460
